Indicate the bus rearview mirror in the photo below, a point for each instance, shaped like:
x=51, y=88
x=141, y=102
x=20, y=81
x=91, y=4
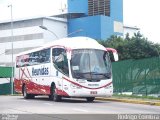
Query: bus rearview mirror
x=114, y=52
x=69, y=55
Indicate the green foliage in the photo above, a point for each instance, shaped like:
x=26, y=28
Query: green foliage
x=136, y=47
x=120, y=96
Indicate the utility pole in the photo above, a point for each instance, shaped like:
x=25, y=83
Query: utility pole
x=12, y=39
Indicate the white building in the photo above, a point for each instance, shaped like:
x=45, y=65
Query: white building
x=131, y=30
x=28, y=35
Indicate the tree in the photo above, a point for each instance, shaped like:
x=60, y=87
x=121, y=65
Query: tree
x=136, y=47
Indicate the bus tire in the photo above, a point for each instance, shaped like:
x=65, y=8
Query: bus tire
x=90, y=99
x=57, y=98
x=53, y=96
x=25, y=94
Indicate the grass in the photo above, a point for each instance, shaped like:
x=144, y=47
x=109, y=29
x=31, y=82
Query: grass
x=135, y=97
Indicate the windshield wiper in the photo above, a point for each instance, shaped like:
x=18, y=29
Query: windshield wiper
x=107, y=75
x=78, y=75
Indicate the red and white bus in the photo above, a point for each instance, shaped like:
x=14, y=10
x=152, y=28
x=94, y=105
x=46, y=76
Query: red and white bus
x=68, y=67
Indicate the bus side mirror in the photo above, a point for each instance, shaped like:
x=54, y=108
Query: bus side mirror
x=114, y=51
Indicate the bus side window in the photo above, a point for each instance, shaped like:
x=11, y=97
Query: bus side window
x=33, y=58
x=19, y=61
x=44, y=56
x=59, y=59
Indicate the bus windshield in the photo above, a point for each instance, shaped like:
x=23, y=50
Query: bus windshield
x=90, y=64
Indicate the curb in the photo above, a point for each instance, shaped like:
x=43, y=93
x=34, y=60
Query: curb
x=155, y=103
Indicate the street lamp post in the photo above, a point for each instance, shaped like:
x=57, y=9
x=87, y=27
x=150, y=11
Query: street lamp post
x=12, y=39
x=45, y=28
x=77, y=31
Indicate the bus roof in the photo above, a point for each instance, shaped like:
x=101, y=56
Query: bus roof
x=70, y=42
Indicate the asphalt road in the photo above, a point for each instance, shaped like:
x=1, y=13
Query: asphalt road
x=75, y=107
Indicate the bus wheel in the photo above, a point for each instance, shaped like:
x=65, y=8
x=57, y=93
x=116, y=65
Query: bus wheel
x=26, y=95
x=53, y=95
x=90, y=99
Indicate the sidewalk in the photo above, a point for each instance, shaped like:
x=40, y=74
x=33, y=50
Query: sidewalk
x=129, y=100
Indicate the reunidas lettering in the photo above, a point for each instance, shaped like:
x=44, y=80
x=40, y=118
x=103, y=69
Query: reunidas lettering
x=40, y=71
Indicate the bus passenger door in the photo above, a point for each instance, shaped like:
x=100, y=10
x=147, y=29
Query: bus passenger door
x=60, y=63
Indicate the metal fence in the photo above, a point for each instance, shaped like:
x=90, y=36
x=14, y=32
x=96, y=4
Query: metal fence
x=5, y=78
x=137, y=77
x=5, y=89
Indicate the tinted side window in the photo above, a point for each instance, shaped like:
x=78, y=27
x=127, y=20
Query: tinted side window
x=59, y=58
x=39, y=57
x=34, y=58
x=44, y=56
x=22, y=60
x=19, y=61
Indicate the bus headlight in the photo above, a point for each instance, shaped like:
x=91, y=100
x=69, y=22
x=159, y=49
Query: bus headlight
x=109, y=87
x=73, y=86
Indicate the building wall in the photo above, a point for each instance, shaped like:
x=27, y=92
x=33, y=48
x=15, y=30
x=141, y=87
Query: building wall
x=90, y=26
x=106, y=27
x=27, y=35
x=98, y=27
x=117, y=10
x=117, y=17
x=78, y=6
x=59, y=28
x=131, y=30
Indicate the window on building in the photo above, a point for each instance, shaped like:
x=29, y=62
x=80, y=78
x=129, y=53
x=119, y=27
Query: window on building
x=99, y=7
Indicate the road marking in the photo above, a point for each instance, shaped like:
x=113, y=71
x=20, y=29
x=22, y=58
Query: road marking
x=25, y=101
x=48, y=103
x=82, y=110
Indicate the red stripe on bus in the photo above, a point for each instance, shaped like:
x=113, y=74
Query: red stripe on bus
x=61, y=92
x=24, y=74
x=85, y=86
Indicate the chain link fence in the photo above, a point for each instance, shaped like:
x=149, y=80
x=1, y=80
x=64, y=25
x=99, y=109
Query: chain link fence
x=137, y=77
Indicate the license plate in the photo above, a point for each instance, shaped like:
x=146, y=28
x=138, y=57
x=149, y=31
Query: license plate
x=93, y=92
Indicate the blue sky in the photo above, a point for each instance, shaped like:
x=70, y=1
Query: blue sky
x=141, y=13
